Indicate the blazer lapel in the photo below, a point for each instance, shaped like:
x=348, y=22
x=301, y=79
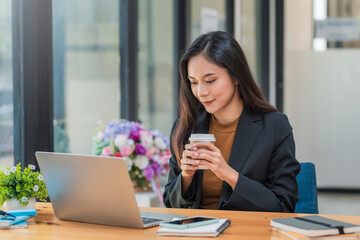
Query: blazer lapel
x=246, y=132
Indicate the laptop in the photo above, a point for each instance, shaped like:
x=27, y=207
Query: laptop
x=94, y=189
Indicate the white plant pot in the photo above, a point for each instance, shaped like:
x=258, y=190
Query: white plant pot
x=13, y=203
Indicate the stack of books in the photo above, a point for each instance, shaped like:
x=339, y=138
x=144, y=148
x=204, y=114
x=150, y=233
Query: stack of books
x=16, y=218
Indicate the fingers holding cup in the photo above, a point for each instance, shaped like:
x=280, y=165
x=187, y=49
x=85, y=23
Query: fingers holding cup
x=189, y=164
x=201, y=141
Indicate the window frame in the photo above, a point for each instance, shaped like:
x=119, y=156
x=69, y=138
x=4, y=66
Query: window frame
x=32, y=79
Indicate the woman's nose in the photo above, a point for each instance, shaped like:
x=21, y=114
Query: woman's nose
x=202, y=90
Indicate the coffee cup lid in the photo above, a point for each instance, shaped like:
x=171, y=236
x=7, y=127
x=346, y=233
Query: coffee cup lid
x=202, y=138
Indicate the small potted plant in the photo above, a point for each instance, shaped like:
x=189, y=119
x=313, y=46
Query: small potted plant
x=19, y=189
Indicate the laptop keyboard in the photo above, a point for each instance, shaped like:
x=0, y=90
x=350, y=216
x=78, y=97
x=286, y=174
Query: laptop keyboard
x=147, y=220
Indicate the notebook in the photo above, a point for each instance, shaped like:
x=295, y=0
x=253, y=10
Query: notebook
x=18, y=222
x=20, y=216
x=314, y=226
x=23, y=212
x=94, y=189
x=211, y=230
x=286, y=235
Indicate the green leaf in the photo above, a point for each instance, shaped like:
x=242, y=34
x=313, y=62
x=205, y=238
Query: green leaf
x=20, y=184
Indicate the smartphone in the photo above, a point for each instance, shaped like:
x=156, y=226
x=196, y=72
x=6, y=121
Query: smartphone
x=189, y=222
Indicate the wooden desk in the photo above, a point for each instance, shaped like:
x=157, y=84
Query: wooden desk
x=244, y=225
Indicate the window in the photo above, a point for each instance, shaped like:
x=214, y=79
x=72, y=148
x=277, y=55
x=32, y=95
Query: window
x=6, y=86
x=86, y=70
x=155, y=64
x=207, y=16
x=246, y=33
x=336, y=24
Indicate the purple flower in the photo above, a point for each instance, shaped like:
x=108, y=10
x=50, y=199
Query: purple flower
x=149, y=173
x=122, y=126
x=137, y=126
x=140, y=149
x=157, y=168
x=134, y=135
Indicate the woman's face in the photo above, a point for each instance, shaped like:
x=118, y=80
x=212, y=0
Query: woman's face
x=212, y=85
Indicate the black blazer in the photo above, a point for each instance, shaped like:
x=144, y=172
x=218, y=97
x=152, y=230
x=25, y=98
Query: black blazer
x=263, y=154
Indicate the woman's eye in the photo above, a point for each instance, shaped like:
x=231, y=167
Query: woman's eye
x=193, y=83
x=211, y=81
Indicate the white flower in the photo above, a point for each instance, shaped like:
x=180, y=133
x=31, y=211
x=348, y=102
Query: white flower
x=141, y=162
x=7, y=172
x=13, y=169
x=121, y=140
x=24, y=199
x=146, y=141
x=36, y=188
x=128, y=162
x=130, y=142
x=32, y=167
x=156, y=157
x=145, y=133
x=160, y=143
x=40, y=177
x=100, y=136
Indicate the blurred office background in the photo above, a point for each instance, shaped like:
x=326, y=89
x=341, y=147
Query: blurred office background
x=65, y=65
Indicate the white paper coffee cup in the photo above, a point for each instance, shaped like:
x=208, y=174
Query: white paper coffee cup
x=202, y=138
x=195, y=138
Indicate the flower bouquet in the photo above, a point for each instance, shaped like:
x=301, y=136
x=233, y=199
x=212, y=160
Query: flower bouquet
x=22, y=185
x=145, y=152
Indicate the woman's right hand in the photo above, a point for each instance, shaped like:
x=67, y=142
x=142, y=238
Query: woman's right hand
x=189, y=163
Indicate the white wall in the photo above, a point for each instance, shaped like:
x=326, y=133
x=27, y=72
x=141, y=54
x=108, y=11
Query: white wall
x=321, y=100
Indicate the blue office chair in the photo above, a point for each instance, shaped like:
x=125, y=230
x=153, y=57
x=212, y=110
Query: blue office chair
x=306, y=180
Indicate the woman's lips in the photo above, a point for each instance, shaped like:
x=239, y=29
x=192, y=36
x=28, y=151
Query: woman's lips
x=208, y=102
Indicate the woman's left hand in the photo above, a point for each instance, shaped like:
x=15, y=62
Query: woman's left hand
x=213, y=159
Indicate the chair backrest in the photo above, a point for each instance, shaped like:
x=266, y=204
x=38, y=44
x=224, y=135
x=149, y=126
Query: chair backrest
x=306, y=179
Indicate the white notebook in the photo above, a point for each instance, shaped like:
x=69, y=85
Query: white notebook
x=211, y=230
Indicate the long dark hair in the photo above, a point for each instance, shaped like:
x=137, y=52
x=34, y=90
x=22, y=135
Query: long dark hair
x=223, y=50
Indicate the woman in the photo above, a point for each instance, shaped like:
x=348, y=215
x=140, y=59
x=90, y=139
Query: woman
x=252, y=166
